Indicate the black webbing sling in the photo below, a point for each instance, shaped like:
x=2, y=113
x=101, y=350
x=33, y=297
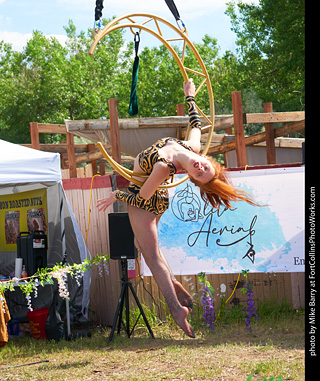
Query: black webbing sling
x=170, y=4
x=133, y=105
x=173, y=9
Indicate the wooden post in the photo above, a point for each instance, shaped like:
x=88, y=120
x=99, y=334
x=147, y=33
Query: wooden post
x=271, y=149
x=180, y=112
x=102, y=168
x=228, y=131
x=71, y=155
x=114, y=130
x=238, y=129
x=34, y=133
x=115, y=146
x=92, y=147
x=64, y=157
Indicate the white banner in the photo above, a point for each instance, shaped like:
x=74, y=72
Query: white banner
x=196, y=239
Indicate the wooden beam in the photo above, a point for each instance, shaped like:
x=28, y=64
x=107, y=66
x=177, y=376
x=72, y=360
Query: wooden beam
x=102, y=168
x=276, y=117
x=287, y=129
x=59, y=148
x=239, y=129
x=114, y=130
x=97, y=155
x=64, y=161
x=48, y=128
x=270, y=143
x=228, y=131
x=71, y=156
x=34, y=134
x=221, y=121
x=92, y=148
x=180, y=112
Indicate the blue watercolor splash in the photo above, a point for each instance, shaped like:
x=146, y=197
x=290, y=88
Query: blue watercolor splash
x=228, y=235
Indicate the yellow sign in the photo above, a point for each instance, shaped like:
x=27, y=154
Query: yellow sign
x=22, y=212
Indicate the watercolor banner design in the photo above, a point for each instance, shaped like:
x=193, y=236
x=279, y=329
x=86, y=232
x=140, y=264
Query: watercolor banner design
x=195, y=238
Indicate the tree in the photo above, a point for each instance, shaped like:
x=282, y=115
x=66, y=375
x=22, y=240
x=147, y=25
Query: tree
x=48, y=83
x=271, y=50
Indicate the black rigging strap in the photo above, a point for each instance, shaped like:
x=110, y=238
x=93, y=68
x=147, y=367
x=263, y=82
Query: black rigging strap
x=170, y=4
x=173, y=9
x=98, y=9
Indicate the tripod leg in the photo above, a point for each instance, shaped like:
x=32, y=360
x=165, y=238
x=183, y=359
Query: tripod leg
x=118, y=313
x=126, y=296
x=141, y=309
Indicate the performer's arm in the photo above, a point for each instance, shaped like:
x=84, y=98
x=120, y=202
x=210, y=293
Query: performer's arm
x=126, y=197
x=194, y=120
x=130, y=198
x=158, y=175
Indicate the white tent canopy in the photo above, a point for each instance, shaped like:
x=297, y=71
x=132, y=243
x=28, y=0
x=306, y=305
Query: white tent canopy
x=24, y=169
x=20, y=164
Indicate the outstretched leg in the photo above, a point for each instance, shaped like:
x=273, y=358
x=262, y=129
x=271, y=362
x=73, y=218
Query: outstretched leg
x=144, y=226
x=183, y=296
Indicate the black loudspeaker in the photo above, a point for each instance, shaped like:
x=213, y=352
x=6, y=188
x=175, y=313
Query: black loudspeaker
x=121, y=237
x=38, y=247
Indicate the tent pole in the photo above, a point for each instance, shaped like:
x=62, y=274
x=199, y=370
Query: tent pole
x=64, y=252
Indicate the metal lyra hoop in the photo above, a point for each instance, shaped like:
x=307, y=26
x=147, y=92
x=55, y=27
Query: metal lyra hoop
x=147, y=21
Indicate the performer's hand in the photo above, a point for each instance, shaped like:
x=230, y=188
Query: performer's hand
x=189, y=88
x=104, y=203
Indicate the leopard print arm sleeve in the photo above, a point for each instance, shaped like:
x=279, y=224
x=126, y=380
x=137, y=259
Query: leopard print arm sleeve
x=157, y=204
x=194, y=119
x=130, y=198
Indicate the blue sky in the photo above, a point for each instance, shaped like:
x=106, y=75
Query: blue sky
x=19, y=18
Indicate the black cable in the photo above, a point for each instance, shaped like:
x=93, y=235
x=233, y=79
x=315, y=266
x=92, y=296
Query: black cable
x=29, y=363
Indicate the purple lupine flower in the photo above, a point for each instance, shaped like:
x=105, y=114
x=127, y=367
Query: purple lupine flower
x=209, y=316
x=251, y=308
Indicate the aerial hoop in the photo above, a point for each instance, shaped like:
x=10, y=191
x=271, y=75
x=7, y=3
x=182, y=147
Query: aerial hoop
x=156, y=26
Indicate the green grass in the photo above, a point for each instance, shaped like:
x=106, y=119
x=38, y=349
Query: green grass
x=274, y=351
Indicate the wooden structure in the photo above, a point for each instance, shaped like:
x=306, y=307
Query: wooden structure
x=75, y=154
x=80, y=188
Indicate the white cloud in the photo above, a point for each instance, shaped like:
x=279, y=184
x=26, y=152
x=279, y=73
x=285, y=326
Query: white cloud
x=19, y=40
x=186, y=8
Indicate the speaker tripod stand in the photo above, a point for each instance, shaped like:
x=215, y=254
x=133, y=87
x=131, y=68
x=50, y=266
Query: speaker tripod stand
x=124, y=301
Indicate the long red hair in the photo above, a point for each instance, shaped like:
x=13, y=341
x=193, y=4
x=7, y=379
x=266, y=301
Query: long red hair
x=219, y=192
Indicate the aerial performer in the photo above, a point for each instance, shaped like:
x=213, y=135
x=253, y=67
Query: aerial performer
x=147, y=203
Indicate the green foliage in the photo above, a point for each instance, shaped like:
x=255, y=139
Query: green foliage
x=273, y=310
x=271, y=48
x=48, y=82
x=58, y=271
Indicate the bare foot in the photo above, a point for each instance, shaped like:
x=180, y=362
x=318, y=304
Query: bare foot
x=183, y=296
x=181, y=319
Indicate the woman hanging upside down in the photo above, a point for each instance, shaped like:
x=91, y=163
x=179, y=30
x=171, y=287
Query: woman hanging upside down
x=147, y=203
